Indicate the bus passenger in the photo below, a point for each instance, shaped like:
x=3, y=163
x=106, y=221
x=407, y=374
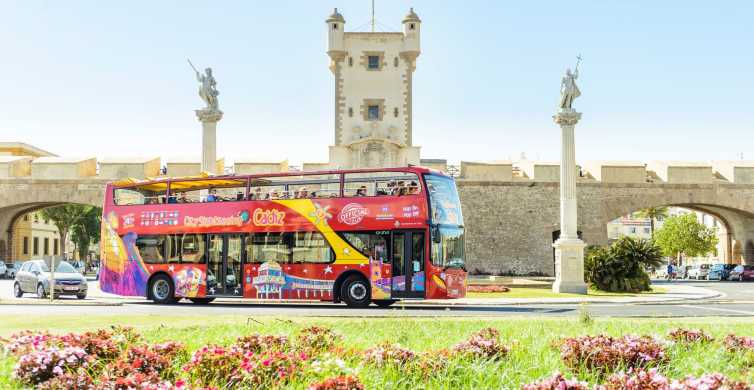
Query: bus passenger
x=413, y=188
x=212, y=197
x=273, y=194
x=182, y=198
x=392, y=189
x=239, y=195
x=362, y=191
x=256, y=195
x=302, y=193
x=172, y=199
x=402, y=190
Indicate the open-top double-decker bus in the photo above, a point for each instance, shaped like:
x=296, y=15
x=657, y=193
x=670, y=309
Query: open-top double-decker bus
x=356, y=236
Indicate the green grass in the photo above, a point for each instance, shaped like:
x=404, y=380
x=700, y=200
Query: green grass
x=547, y=293
x=532, y=355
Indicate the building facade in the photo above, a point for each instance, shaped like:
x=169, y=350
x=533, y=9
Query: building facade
x=373, y=94
x=35, y=238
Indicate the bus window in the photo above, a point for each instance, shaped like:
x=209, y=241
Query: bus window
x=151, y=249
x=311, y=247
x=371, y=244
x=192, y=248
x=264, y=247
x=137, y=196
x=381, y=184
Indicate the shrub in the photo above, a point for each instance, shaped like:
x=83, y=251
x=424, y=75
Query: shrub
x=738, y=343
x=258, y=343
x=270, y=369
x=484, y=344
x=25, y=342
x=214, y=364
x=79, y=380
x=387, y=354
x=652, y=380
x=689, y=336
x=621, y=266
x=316, y=339
x=605, y=353
x=557, y=382
x=346, y=382
x=40, y=366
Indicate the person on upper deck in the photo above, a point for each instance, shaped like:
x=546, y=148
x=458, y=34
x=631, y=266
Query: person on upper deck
x=362, y=191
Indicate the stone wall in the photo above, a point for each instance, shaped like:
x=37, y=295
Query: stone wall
x=510, y=225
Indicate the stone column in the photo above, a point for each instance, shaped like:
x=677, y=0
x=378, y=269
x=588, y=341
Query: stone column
x=569, y=249
x=209, y=119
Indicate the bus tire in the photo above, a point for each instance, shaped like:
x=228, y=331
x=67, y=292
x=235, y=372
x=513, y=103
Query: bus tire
x=161, y=289
x=201, y=301
x=384, y=302
x=356, y=291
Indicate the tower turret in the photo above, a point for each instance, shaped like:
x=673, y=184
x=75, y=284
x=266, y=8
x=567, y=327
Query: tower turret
x=411, y=31
x=335, y=26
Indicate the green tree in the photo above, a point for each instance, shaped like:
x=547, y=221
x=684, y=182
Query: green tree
x=653, y=213
x=65, y=218
x=87, y=231
x=684, y=235
x=622, y=266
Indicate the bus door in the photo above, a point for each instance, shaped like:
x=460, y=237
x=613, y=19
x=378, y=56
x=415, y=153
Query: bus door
x=224, y=265
x=408, y=264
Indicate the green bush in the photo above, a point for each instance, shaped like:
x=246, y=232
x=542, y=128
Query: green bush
x=621, y=266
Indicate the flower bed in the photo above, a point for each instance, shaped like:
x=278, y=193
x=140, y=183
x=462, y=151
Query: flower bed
x=317, y=358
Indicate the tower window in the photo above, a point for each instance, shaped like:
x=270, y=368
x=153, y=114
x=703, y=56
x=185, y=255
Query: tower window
x=395, y=61
x=350, y=112
x=373, y=113
x=395, y=112
x=350, y=61
x=411, y=26
x=335, y=26
x=374, y=62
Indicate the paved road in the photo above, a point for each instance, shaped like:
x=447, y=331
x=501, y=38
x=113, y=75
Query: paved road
x=738, y=301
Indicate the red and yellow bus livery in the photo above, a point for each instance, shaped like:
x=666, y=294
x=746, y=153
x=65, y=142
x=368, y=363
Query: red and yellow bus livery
x=357, y=236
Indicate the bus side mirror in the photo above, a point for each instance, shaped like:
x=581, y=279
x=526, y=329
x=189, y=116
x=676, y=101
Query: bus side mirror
x=435, y=232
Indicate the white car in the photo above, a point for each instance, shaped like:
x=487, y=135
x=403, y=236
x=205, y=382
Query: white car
x=3, y=270
x=698, y=272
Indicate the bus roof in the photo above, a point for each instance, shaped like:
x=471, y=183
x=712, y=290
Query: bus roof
x=204, y=179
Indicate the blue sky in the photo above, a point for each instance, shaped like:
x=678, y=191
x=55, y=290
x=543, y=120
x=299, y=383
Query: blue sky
x=667, y=80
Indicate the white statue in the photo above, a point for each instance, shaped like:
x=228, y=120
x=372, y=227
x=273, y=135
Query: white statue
x=569, y=91
x=208, y=88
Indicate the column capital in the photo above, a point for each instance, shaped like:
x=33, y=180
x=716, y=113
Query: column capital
x=567, y=117
x=208, y=115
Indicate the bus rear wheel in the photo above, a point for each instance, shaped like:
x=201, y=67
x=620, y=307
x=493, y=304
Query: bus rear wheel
x=201, y=301
x=161, y=290
x=356, y=291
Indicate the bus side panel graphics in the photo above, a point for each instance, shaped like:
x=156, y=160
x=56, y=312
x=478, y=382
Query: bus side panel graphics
x=123, y=271
x=271, y=280
x=189, y=280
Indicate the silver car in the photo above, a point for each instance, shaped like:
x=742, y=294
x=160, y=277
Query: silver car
x=34, y=277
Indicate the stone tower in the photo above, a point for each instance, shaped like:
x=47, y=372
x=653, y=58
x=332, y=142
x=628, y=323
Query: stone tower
x=373, y=94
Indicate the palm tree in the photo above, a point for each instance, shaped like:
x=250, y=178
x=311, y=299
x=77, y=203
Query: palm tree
x=653, y=213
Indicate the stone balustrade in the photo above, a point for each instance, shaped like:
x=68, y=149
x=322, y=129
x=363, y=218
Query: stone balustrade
x=670, y=172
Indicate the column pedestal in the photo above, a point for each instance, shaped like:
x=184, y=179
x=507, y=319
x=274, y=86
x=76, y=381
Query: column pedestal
x=569, y=249
x=209, y=119
x=569, y=266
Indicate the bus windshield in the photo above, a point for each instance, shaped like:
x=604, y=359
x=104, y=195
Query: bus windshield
x=444, y=201
x=448, y=248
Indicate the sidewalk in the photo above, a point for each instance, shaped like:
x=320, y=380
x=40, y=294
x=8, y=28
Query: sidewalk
x=675, y=293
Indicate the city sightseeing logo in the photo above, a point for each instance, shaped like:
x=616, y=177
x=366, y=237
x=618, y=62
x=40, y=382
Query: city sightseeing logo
x=352, y=214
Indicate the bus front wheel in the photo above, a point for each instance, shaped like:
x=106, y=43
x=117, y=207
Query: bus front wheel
x=161, y=290
x=356, y=291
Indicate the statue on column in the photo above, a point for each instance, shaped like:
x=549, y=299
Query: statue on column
x=569, y=91
x=207, y=88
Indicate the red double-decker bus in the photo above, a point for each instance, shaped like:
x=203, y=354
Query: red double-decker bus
x=354, y=236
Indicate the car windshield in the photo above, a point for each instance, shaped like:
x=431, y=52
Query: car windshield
x=63, y=267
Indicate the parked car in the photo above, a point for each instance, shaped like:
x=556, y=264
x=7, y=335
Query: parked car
x=10, y=270
x=720, y=271
x=3, y=270
x=742, y=272
x=698, y=272
x=34, y=277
